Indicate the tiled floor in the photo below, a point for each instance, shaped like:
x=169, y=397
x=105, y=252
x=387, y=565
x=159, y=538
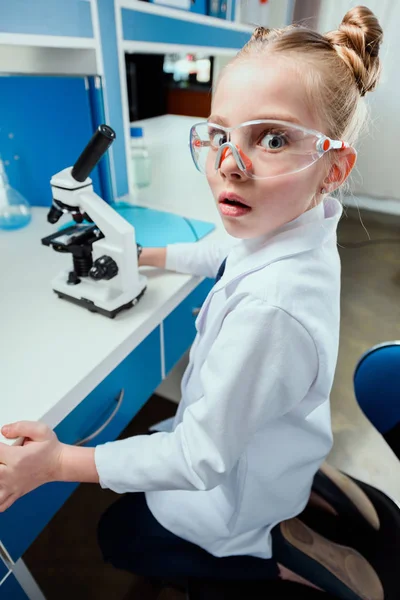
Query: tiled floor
x=65, y=559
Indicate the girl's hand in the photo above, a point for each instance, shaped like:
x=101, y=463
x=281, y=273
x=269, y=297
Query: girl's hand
x=24, y=468
x=153, y=257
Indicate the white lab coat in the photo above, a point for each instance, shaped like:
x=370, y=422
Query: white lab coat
x=254, y=424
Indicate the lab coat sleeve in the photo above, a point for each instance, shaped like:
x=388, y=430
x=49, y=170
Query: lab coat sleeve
x=260, y=366
x=198, y=258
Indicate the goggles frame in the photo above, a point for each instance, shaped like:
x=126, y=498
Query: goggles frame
x=323, y=145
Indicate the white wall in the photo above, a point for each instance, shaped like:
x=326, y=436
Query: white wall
x=378, y=159
x=278, y=12
x=273, y=14
x=252, y=12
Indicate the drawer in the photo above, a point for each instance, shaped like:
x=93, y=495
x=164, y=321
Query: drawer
x=11, y=590
x=179, y=328
x=138, y=376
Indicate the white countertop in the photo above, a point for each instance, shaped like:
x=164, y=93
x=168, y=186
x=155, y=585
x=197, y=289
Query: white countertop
x=53, y=353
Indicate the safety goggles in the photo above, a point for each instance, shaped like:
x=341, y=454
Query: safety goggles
x=261, y=149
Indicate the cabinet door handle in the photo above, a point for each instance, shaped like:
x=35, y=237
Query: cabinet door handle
x=90, y=437
x=195, y=311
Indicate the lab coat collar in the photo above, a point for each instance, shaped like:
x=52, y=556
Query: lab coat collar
x=311, y=230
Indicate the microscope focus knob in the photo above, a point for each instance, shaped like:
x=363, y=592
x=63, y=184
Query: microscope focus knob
x=103, y=268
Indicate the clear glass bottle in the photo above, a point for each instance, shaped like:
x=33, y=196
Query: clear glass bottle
x=15, y=211
x=140, y=159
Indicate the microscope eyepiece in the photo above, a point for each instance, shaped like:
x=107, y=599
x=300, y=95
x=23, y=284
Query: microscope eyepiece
x=107, y=132
x=54, y=214
x=97, y=146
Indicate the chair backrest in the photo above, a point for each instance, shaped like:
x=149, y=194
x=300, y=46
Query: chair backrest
x=377, y=390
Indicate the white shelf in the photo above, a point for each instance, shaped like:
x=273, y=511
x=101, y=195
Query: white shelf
x=47, y=55
x=46, y=41
x=183, y=15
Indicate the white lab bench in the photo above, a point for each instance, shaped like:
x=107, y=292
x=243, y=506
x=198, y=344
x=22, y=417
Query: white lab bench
x=65, y=366
x=54, y=353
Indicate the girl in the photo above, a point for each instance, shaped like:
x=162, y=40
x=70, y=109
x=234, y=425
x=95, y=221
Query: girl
x=253, y=427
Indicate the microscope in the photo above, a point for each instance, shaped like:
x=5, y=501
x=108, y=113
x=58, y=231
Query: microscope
x=105, y=276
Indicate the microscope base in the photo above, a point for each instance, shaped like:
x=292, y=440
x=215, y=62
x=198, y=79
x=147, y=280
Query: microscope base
x=91, y=306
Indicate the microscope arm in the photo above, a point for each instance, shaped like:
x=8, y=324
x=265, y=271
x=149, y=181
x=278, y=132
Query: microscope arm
x=116, y=230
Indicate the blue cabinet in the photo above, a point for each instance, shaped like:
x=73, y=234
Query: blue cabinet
x=138, y=375
x=150, y=27
x=46, y=17
x=45, y=122
x=11, y=590
x=179, y=328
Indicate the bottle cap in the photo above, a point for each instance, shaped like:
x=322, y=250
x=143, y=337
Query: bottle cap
x=136, y=132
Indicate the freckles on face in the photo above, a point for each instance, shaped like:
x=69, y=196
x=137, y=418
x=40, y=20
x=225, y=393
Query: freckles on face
x=263, y=88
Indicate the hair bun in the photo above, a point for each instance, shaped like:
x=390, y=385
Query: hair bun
x=357, y=41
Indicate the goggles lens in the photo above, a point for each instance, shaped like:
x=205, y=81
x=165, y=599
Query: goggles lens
x=272, y=147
